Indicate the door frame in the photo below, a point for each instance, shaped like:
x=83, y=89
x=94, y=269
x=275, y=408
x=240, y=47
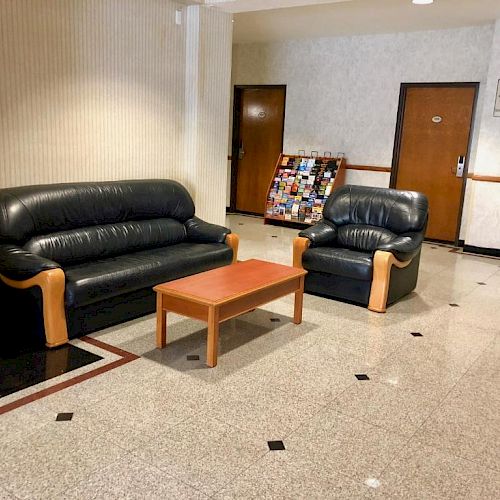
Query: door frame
x=399, y=136
x=238, y=91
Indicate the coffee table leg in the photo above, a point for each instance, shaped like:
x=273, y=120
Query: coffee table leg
x=161, y=322
x=299, y=299
x=213, y=336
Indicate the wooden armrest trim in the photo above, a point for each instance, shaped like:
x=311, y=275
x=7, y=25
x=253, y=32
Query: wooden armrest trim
x=382, y=264
x=233, y=240
x=52, y=283
x=300, y=245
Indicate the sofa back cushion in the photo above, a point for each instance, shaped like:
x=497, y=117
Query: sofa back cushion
x=29, y=211
x=103, y=241
x=392, y=209
x=362, y=237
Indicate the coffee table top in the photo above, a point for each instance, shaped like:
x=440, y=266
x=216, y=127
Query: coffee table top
x=228, y=282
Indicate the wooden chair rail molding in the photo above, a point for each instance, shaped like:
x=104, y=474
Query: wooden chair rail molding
x=52, y=283
x=483, y=178
x=382, y=263
x=369, y=168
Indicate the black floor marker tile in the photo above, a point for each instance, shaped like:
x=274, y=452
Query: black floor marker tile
x=193, y=357
x=416, y=334
x=481, y=283
x=362, y=376
x=276, y=445
x=64, y=417
x=273, y=236
x=454, y=305
x=240, y=224
x=275, y=320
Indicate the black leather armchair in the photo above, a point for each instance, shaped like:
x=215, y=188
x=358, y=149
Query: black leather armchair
x=367, y=247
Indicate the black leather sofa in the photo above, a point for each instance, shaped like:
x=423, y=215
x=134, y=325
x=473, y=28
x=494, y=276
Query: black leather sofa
x=75, y=258
x=367, y=247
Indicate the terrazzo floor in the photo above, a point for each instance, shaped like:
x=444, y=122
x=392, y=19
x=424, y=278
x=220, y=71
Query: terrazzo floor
x=398, y=405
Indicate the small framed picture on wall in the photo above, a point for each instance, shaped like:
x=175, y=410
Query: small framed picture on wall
x=496, y=110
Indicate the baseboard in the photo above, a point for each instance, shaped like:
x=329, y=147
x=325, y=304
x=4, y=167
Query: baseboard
x=492, y=252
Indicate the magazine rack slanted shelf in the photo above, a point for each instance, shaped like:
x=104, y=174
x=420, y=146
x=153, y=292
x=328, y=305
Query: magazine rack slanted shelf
x=300, y=187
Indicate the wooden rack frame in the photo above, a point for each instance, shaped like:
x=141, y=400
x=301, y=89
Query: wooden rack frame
x=338, y=180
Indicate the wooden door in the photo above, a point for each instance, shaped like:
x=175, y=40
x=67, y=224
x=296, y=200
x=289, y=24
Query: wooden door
x=258, y=145
x=435, y=132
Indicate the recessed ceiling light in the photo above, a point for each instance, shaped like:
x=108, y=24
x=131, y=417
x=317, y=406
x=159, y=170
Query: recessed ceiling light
x=422, y=2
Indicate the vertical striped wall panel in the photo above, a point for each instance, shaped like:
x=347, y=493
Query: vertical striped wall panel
x=90, y=90
x=208, y=77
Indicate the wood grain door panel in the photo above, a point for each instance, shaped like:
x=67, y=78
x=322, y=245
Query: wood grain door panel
x=261, y=138
x=429, y=151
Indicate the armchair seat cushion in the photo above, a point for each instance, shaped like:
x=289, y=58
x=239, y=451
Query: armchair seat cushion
x=102, y=279
x=339, y=261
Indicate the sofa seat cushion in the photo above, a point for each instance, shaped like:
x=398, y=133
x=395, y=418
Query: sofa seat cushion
x=105, y=278
x=339, y=261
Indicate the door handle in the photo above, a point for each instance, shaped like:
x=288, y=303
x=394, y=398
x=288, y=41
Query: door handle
x=459, y=169
x=241, y=151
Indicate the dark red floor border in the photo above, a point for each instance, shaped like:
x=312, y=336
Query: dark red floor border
x=126, y=357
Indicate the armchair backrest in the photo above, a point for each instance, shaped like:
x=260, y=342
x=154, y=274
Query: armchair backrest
x=369, y=216
x=392, y=209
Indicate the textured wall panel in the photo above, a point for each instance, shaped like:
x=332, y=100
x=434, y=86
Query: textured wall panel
x=90, y=89
x=343, y=92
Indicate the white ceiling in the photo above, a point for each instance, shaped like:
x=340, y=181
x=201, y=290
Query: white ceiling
x=278, y=21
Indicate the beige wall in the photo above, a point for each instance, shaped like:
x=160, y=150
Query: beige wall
x=96, y=89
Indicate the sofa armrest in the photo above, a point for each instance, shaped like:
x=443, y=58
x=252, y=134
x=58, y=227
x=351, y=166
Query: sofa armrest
x=17, y=264
x=322, y=233
x=204, y=232
x=22, y=270
x=405, y=246
x=233, y=241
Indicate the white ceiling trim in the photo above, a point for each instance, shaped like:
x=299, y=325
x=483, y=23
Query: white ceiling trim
x=236, y=6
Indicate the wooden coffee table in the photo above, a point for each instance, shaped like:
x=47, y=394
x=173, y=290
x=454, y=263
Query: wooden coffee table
x=223, y=293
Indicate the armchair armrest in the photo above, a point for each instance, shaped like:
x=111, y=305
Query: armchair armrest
x=204, y=232
x=405, y=246
x=17, y=264
x=382, y=264
x=322, y=233
x=300, y=245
